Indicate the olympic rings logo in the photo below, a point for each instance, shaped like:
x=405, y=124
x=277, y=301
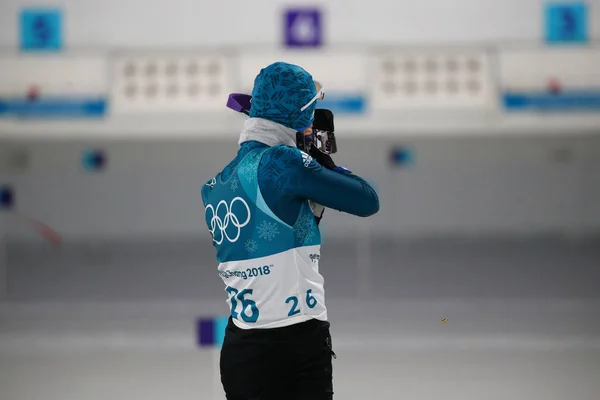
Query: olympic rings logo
x=222, y=224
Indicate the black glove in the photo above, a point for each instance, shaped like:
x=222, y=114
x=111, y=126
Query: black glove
x=322, y=158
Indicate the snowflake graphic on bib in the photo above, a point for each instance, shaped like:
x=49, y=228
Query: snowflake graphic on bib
x=251, y=246
x=268, y=230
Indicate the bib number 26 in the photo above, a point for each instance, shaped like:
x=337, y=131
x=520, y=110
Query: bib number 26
x=246, y=304
x=311, y=302
x=251, y=316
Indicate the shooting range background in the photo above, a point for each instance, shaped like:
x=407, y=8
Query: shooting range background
x=490, y=211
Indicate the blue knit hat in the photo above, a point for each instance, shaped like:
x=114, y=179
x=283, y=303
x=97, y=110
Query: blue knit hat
x=280, y=91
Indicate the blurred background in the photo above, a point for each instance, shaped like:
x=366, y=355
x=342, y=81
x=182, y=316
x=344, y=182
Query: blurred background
x=476, y=120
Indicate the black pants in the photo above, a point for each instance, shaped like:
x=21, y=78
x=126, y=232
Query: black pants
x=289, y=363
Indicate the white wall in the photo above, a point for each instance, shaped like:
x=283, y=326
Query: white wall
x=130, y=23
x=345, y=70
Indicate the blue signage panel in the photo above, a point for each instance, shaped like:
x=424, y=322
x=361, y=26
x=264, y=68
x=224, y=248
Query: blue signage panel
x=588, y=101
x=303, y=27
x=7, y=197
x=41, y=29
x=211, y=331
x=566, y=23
x=53, y=108
x=344, y=103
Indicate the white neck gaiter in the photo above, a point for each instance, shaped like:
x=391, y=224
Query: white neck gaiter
x=267, y=132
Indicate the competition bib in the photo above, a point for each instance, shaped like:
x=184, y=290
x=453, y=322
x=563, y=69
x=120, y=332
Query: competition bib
x=275, y=291
x=270, y=269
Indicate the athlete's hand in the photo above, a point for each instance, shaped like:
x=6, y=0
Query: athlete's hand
x=325, y=160
x=322, y=158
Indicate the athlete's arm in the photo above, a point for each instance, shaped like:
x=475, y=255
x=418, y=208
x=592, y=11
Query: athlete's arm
x=343, y=191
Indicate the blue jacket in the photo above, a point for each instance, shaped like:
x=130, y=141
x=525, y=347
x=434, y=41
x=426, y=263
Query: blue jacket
x=286, y=183
x=265, y=234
